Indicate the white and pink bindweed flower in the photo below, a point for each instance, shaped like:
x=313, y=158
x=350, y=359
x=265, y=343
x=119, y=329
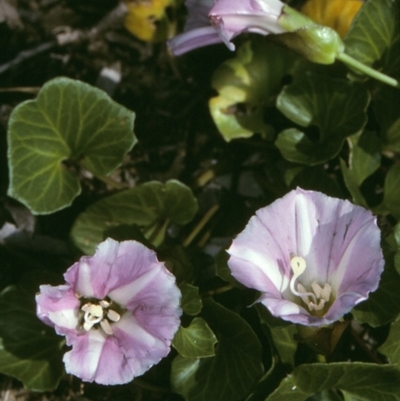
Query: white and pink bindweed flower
x=313, y=257
x=119, y=310
x=219, y=21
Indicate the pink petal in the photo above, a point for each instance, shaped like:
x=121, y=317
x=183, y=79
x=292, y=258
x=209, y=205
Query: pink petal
x=83, y=359
x=113, y=265
x=194, y=39
x=58, y=307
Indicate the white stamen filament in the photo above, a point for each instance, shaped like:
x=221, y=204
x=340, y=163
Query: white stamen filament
x=106, y=326
x=99, y=314
x=298, y=265
x=319, y=297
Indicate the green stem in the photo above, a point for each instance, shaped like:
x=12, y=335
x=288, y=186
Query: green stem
x=206, y=218
x=158, y=235
x=220, y=290
x=353, y=63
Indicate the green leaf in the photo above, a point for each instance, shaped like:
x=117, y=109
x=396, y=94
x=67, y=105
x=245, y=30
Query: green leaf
x=146, y=205
x=69, y=124
x=365, y=156
x=383, y=305
x=283, y=338
x=364, y=160
x=391, y=347
x=352, y=186
x=270, y=381
x=280, y=333
x=235, y=369
x=191, y=302
x=366, y=382
x=388, y=117
x=126, y=232
x=335, y=107
x=348, y=397
x=196, y=341
x=314, y=178
x=396, y=246
x=246, y=85
x=372, y=31
x=29, y=350
x=177, y=262
x=391, y=194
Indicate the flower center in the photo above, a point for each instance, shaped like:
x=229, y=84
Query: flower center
x=99, y=313
x=315, y=300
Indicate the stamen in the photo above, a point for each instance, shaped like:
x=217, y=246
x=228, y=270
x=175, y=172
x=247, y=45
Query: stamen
x=104, y=304
x=319, y=297
x=99, y=313
x=298, y=265
x=317, y=289
x=326, y=292
x=105, y=325
x=303, y=294
x=113, y=316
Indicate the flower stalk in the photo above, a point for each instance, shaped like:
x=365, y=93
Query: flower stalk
x=360, y=67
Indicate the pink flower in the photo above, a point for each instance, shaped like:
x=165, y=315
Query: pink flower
x=220, y=21
x=119, y=310
x=313, y=257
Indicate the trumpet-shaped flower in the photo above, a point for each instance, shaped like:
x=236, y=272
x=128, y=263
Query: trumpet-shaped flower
x=220, y=21
x=119, y=310
x=313, y=257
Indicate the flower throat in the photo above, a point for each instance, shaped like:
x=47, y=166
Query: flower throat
x=315, y=300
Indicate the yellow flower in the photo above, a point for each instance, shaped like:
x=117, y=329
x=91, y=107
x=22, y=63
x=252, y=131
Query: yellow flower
x=146, y=19
x=337, y=14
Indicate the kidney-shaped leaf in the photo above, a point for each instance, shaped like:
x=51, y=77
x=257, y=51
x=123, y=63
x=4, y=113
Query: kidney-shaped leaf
x=29, y=350
x=372, y=30
x=388, y=116
x=191, y=302
x=391, y=348
x=195, y=341
x=69, y=124
x=144, y=206
x=391, y=194
x=234, y=370
x=364, y=381
x=336, y=107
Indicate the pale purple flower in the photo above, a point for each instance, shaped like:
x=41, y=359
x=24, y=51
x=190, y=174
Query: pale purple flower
x=119, y=310
x=220, y=21
x=313, y=257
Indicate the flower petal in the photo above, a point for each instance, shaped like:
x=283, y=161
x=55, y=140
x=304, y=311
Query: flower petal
x=194, y=39
x=57, y=307
x=256, y=16
x=113, y=265
x=83, y=359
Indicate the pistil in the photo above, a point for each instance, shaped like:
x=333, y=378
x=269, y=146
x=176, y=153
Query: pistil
x=99, y=313
x=315, y=300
